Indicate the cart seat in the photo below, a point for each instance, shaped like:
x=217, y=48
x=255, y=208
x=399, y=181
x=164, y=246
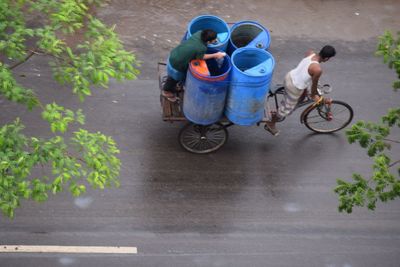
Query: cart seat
x=275, y=87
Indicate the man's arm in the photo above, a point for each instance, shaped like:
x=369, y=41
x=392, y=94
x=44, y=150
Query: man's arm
x=315, y=71
x=309, y=53
x=215, y=55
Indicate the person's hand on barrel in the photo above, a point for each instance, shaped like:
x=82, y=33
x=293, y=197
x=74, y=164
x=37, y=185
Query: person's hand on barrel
x=219, y=55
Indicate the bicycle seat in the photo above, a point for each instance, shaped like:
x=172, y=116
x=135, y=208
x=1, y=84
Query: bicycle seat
x=274, y=88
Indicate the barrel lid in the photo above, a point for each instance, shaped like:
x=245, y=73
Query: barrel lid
x=259, y=34
x=261, y=69
x=222, y=36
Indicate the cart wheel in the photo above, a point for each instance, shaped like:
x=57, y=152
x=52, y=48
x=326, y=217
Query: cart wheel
x=201, y=139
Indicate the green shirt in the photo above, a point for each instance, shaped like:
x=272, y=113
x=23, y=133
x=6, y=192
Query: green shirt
x=192, y=48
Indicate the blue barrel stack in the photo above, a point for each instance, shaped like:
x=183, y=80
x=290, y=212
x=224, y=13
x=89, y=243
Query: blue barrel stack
x=238, y=86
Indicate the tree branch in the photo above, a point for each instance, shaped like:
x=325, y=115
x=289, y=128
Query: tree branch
x=23, y=61
x=394, y=163
x=390, y=140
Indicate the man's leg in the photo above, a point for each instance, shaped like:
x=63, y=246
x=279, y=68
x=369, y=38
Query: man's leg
x=303, y=96
x=291, y=97
x=169, y=89
x=270, y=126
x=170, y=85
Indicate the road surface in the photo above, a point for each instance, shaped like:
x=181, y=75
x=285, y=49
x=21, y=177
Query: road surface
x=258, y=201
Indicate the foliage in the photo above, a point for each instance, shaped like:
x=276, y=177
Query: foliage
x=389, y=49
x=82, y=52
x=384, y=185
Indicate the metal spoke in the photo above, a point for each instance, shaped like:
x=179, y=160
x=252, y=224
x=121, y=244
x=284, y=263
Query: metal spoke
x=318, y=120
x=203, y=139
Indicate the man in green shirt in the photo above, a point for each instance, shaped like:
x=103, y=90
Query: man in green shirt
x=193, y=48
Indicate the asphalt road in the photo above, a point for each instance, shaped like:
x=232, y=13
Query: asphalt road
x=258, y=201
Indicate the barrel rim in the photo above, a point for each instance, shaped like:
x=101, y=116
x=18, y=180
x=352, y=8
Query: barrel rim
x=239, y=50
x=174, y=73
x=244, y=22
x=210, y=78
x=213, y=17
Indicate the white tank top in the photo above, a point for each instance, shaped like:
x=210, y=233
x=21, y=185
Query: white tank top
x=300, y=76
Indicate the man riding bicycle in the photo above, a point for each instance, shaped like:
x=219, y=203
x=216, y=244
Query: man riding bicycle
x=296, y=82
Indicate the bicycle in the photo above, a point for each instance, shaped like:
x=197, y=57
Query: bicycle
x=321, y=117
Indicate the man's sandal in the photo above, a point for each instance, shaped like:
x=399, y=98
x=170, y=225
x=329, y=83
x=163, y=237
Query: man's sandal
x=272, y=129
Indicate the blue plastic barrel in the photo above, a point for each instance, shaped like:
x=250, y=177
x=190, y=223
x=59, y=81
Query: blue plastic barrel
x=251, y=75
x=205, y=95
x=248, y=34
x=175, y=74
x=213, y=23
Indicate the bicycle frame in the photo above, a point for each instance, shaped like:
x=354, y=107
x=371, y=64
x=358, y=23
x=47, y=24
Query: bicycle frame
x=307, y=100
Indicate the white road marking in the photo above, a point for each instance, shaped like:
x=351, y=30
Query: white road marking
x=67, y=249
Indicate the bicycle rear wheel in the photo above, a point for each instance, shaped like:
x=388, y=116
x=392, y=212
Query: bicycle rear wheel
x=328, y=118
x=201, y=139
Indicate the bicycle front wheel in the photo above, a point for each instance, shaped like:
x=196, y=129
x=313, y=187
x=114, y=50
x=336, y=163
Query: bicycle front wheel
x=328, y=118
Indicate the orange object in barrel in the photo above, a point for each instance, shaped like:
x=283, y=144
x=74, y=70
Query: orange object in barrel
x=200, y=66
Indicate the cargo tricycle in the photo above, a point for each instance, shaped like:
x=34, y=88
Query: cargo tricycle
x=321, y=117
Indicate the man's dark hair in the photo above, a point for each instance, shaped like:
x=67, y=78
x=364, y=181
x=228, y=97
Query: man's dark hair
x=327, y=52
x=208, y=35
